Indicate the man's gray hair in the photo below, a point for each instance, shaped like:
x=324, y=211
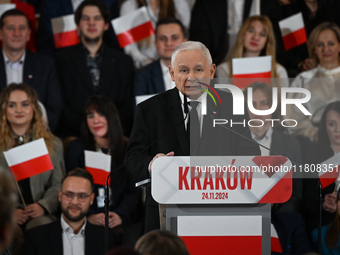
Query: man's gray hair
x=191, y=45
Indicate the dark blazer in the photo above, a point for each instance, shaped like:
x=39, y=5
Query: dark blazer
x=117, y=75
x=209, y=20
x=39, y=73
x=286, y=145
x=124, y=196
x=292, y=234
x=159, y=128
x=149, y=79
x=53, y=9
x=47, y=239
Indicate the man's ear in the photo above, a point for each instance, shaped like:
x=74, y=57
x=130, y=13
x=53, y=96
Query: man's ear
x=107, y=25
x=92, y=198
x=172, y=73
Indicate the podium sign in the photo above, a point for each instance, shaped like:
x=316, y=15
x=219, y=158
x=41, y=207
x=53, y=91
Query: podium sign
x=221, y=180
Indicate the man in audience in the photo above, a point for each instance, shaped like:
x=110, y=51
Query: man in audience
x=7, y=205
x=154, y=78
x=160, y=124
x=20, y=65
x=90, y=68
x=72, y=233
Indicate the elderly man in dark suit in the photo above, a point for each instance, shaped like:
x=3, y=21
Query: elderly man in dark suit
x=92, y=67
x=160, y=124
x=20, y=65
x=154, y=78
x=72, y=233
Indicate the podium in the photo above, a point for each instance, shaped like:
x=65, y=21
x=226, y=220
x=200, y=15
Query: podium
x=221, y=205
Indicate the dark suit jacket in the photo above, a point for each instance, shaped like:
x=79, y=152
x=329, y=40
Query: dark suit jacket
x=209, y=20
x=40, y=74
x=149, y=79
x=286, y=145
x=47, y=239
x=292, y=234
x=53, y=9
x=159, y=128
x=117, y=76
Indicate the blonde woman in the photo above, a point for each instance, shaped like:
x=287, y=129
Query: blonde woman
x=255, y=38
x=21, y=122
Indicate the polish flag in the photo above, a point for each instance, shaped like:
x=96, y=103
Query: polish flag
x=29, y=159
x=293, y=31
x=64, y=31
x=329, y=171
x=221, y=234
x=6, y=7
x=274, y=239
x=250, y=70
x=133, y=27
x=99, y=165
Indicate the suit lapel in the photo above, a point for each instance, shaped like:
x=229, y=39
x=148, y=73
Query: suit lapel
x=3, y=78
x=27, y=74
x=175, y=115
x=246, y=10
x=55, y=238
x=108, y=71
x=158, y=82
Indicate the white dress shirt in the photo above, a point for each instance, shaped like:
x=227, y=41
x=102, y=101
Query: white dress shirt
x=73, y=244
x=266, y=140
x=168, y=82
x=14, y=70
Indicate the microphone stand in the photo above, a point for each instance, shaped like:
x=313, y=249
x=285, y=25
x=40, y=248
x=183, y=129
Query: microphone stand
x=107, y=209
x=320, y=217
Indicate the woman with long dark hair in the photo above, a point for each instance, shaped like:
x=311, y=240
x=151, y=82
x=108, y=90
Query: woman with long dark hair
x=102, y=132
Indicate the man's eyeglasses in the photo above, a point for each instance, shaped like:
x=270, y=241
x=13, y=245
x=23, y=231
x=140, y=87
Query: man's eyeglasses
x=82, y=197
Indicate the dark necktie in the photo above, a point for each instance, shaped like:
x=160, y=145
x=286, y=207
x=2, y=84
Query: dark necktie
x=193, y=128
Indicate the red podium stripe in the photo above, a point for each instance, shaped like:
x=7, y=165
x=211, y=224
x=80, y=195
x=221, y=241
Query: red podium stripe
x=32, y=167
x=66, y=39
x=99, y=175
x=221, y=245
x=135, y=34
x=294, y=39
x=329, y=177
x=275, y=245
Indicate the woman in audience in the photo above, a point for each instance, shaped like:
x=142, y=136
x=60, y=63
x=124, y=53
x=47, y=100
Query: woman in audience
x=322, y=81
x=327, y=147
x=330, y=234
x=21, y=122
x=255, y=38
x=161, y=242
x=102, y=132
x=144, y=52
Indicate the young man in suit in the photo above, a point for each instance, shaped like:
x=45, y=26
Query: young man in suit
x=154, y=78
x=160, y=123
x=72, y=233
x=90, y=68
x=20, y=65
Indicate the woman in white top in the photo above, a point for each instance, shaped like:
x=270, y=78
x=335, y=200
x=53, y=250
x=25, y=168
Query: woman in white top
x=255, y=38
x=323, y=81
x=144, y=52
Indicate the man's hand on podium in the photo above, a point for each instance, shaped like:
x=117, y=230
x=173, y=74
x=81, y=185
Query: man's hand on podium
x=171, y=153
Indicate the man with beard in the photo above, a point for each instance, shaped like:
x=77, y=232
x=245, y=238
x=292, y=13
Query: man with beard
x=91, y=68
x=72, y=234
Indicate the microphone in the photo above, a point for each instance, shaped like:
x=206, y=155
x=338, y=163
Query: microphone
x=337, y=185
x=186, y=108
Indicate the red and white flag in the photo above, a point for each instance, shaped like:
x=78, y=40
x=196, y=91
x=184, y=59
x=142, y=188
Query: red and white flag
x=293, y=31
x=29, y=159
x=99, y=165
x=133, y=27
x=249, y=70
x=221, y=234
x=6, y=7
x=274, y=240
x=64, y=31
x=329, y=171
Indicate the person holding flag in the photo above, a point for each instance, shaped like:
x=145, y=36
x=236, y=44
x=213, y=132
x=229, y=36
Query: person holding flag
x=255, y=38
x=102, y=133
x=20, y=123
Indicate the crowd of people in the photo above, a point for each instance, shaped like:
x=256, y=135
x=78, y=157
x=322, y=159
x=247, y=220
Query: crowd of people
x=85, y=97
